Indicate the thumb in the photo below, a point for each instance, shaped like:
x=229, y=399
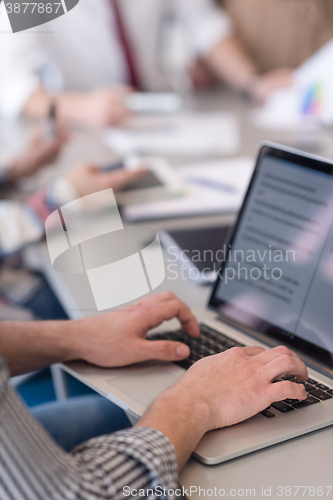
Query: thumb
x=120, y=179
x=165, y=350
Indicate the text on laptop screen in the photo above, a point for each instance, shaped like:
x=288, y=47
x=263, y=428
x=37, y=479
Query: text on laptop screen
x=277, y=275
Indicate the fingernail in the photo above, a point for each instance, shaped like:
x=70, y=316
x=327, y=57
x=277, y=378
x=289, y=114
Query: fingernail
x=182, y=351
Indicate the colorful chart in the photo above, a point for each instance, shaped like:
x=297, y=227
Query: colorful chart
x=313, y=101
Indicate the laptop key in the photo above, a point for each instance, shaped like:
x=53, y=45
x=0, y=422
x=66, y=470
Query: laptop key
x=311, y=381
x=290, y=401
x=312, y=400
x=185, y=363
x=322, y=387
x=293, y=379
x=330, y=392
x=307, y=402
x=230, y=343
x=267, y=414
x=210, y=342
x=320, y=394
x=283, y=407
x=309, y=387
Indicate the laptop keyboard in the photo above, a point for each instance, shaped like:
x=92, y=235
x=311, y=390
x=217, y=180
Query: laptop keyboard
x=210, y=342
x=213, y=342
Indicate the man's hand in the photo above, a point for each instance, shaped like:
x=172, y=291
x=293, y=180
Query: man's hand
x=237, y=384
x=271, y=81
x=89, y=178
x=96, y=109
x=108, y=340
x=103, y=107
x=40, y=152
x=229, y=60
x=222, y=390
x=119, y=338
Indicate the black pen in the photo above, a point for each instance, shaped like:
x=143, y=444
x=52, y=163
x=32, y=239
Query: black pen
x=51, y=129
x=131, y=163
x=113, y=166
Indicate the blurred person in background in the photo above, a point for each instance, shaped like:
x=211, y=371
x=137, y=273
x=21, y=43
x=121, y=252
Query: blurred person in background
x=39, y=153
x=22, y=222
x=20, y=225
x=278, y=36
x=98, y=52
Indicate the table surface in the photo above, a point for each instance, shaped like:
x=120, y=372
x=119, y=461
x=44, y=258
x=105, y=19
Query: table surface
x=304, y=461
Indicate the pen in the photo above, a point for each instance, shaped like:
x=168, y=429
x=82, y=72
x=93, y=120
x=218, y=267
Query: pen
x=51, y=130
x=113, y=166
x=131, y=163
x=201, y=181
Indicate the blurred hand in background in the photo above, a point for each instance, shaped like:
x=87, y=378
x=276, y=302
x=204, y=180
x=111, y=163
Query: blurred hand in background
x=89, y=178
x=271, y=81
x=40, y=152
x=98, y=108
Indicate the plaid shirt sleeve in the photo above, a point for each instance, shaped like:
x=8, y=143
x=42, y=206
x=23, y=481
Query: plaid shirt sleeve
x=33, y=467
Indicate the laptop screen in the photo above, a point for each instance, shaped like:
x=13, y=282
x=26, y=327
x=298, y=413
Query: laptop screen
x=277, y=272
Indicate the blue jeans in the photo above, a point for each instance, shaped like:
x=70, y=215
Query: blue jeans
x=73, y=421
x=45, y=304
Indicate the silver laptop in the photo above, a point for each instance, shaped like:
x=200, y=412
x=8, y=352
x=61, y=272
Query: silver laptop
x=275, y=287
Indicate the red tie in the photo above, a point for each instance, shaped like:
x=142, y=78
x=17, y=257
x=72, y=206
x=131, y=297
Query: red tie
x=126, y=46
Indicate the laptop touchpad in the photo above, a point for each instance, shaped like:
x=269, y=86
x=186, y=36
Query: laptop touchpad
x=144, y=385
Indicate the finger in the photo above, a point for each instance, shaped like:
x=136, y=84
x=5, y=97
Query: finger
x=169, y=309
x=63, y=134
x=37, y=135
x=271, y=354
x=243, y=352
x=123, y=90
x=52, y=148
x=120, y=179
x=114, y=115
x=253, y=350
x=120, y=112
x=286, y=390
x=165, y=350
x=284, y=365
x=157, y=297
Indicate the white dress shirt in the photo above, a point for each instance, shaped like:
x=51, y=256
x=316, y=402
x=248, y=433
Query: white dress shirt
x=81, y=51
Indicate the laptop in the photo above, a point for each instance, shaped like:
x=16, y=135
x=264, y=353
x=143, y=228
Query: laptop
x=275, y=286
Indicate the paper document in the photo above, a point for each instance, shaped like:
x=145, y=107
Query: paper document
x=211, y=187
x=197, y=134
x=308, y=103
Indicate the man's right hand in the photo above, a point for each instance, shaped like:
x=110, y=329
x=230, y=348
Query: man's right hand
x=103, y=107
x=222, y=390
x=239, y=383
